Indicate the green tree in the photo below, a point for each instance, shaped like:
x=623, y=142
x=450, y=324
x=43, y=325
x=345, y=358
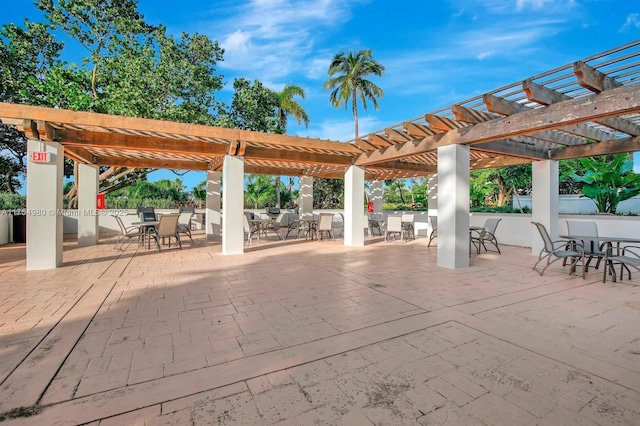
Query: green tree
x=348, y=81
x=608, y=180
x=328, y=193
x=253, y=107
x=287, y=106
x=258, y=191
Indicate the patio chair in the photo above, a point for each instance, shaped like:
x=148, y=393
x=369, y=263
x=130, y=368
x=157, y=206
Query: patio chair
x=627, y=256
x=592, y=248
x=249, y=228
x=487, y=235
x=557, y=250
x=274, y=226
x=408, y=227
x=167, y=228
x=184, y=224
x=325, y=226
x=375, y=222
x=394, y=226
x=434, y=229
x=127, y=234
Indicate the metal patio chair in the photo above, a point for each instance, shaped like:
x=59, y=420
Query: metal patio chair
x=557, y=250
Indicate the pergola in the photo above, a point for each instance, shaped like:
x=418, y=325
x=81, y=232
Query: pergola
x=584, y=109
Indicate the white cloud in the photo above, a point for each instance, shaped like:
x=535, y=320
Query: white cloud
x=270, y=39
x=631, y=22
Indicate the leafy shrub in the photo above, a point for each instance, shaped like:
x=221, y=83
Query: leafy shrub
x=500, y=209
x=9, y=201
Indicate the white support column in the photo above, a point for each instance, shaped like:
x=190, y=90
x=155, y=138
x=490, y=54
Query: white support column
x=376, y=195
x=432, y=199
x=453, y=210
x=354, y=206
x=305, y=197
x=232, y=205
x=544, y=201
x=87, y=181
x=44, y=202
x=212, y=211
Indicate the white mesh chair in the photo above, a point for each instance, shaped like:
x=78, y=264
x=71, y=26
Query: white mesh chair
x=408, y=227
x=184, y=224
x=249, y=229
x=167, y=228
x=127, y=234
x=325, y=226
x=487, y=235
x=393, y=228
x=553, y=251
x=434, y=229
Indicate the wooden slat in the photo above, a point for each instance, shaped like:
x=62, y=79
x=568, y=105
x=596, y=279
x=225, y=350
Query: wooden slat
x=379, y=140
x=546, y=96
x=495, y=162
x=619, y=101
x=518, y=146
x=406, y=166
x=592, y=79
x=130, y=142
x=151, y=163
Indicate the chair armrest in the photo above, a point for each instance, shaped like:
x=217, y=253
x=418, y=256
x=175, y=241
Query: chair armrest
x=577, y=244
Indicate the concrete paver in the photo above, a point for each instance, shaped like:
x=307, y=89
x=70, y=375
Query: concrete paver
x=319, y=333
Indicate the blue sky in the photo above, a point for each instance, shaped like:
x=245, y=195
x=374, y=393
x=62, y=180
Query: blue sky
x=436, y=53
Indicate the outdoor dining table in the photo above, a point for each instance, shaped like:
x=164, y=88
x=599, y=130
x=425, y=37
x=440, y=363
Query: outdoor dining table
x=262, y=225
x=145, y=227
x=591, y=239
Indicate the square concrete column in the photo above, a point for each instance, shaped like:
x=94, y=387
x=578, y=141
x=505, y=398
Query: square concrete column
x=432, y=198
x=354, y=206
x=213, y=221
x=233, y=205
x=376, y=195
x=87, y=181
x=44, y=207
x=305, y=197
x=544, y=201
x=453, y=210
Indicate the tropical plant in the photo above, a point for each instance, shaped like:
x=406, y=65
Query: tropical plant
x=349, y=82
x=608, y=180
x=259, y=190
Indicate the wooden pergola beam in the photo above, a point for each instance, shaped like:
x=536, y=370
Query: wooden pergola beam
x=81, y=118
x=507, y=108
x=611, y=103
x=592, y=79
x=518, y=146
x=406, y=166
x=473, y=116
x=418, y=130
x=443, y=124
x=79, y=154
x=616, y=146
x=546, y=96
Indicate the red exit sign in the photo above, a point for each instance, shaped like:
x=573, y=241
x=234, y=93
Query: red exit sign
x=39, y=157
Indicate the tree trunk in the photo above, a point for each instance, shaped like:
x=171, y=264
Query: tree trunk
x=354, y=107
x=278, y=191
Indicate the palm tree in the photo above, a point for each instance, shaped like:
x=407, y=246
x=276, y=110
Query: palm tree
x=286, y=106
x=348, y=81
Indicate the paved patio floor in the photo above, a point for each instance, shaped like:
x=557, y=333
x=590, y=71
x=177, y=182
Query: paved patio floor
x=313, y=333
